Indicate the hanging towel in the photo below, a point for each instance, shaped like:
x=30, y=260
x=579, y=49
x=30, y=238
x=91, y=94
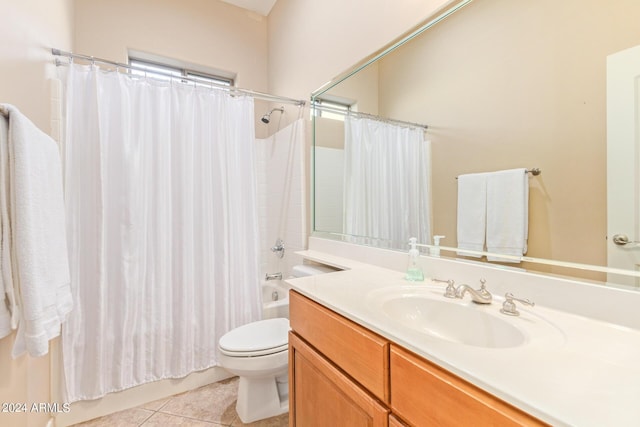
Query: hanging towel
x=472, y=212
x=41, y=278
x=507, y=213
x=8, y=311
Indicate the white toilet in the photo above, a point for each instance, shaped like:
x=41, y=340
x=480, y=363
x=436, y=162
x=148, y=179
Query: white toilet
x=258, y=353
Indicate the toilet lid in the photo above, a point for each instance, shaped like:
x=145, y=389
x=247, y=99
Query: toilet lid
x=256, y=338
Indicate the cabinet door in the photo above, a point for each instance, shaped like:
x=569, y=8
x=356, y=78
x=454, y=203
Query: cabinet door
x=424, y=394
x=395, y=422
x=321, y=395
x=360, y=353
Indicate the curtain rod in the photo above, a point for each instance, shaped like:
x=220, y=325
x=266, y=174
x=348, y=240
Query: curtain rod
x=231, y=89
x=344, y=112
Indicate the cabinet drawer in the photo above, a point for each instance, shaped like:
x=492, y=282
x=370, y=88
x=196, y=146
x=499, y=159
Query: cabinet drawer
x=424, y=394
x=362, y=354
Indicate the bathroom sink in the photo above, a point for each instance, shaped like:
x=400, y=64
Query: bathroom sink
x=452, y=321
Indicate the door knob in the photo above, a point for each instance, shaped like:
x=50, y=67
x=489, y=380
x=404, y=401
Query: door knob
x=622, y=239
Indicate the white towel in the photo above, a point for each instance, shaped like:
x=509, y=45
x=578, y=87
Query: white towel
x=9, y=311
x=40, y=263
x=507, y=213
x=472, y=213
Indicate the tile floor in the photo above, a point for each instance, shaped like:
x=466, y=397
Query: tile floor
x=212, y=406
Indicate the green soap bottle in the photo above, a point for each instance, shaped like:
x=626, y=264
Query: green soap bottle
x=414, y=272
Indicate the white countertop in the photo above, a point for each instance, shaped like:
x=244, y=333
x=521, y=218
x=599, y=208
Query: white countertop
x=571, y=370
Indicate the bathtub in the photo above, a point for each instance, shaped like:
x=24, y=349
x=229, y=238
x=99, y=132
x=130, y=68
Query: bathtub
x=275, y=299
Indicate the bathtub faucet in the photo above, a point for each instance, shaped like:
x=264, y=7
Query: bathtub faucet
x=273, y=276
x=278, y=248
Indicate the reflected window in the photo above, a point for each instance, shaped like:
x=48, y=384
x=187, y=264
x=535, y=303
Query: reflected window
x=333, y=109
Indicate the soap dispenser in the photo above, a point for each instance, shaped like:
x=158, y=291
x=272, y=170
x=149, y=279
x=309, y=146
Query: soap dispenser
x=435, y=251
x=414, y=272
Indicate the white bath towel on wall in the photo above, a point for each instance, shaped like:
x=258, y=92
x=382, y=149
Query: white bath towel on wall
x=507, y=213
x=472, y=212
x=39, y=250
x=8, y=312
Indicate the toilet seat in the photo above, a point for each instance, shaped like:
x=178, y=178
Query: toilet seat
x=256, y=339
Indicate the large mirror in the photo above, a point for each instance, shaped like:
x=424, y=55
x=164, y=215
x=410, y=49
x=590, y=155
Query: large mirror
x=501, y=84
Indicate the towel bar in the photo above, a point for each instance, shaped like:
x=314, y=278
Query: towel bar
x=532, y=171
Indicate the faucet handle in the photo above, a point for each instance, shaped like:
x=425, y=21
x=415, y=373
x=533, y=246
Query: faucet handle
x=450, y=290
x=509, y=306
x=483, y=289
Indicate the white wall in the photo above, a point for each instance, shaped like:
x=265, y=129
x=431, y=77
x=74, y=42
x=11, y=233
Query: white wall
x=329, y=196
x=282, y=196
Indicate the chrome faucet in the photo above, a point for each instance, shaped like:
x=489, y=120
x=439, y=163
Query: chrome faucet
x=273, y=276
x=480, y=296
x=278, y=248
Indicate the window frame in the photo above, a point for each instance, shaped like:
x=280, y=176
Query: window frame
x=341, y=107
x=167, y=70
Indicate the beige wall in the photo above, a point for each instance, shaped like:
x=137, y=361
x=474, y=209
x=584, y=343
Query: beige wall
x=204, y=32
x=311, y=42
x=28, y=30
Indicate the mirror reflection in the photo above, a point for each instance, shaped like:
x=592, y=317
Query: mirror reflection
x=501, y=85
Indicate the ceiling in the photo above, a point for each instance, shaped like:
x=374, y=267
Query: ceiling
x=263, y=7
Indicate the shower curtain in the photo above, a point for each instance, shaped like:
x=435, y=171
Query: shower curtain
x=162, y=228
x=387, y=171
x=281, y=173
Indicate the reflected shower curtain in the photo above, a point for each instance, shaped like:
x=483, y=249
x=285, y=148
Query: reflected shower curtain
x=162, y=228
x=387, y=182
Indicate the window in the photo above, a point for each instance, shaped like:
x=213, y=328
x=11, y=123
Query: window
x=163, y=71
x=333, y=109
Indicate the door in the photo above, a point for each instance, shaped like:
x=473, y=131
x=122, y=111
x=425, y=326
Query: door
x=623, y=163
x=321, y=395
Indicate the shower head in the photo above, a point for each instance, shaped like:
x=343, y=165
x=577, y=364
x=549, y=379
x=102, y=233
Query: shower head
x=267, y=117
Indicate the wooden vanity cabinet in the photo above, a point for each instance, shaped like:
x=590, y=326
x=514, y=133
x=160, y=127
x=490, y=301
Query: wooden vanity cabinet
x=342, y=374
